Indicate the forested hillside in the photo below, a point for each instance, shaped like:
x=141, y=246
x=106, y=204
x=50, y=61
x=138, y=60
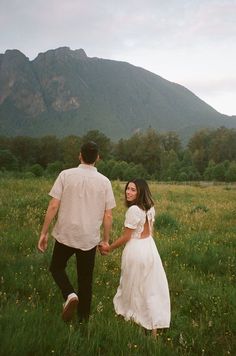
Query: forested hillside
x=209, y=155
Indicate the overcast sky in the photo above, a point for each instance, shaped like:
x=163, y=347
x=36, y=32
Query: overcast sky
x=190, y=42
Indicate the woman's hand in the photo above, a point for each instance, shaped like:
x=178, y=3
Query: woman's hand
x=104, y=248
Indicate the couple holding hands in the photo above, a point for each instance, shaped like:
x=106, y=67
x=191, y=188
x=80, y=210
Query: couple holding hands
x=83, y=200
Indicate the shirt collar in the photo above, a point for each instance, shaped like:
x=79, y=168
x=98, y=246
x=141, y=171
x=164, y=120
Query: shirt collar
x=87, y=166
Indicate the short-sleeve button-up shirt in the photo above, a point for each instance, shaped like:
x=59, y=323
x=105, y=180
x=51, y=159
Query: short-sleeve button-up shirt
x=84, y=195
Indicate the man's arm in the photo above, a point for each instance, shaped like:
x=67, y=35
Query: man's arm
x=50, y=214
x=107, y=224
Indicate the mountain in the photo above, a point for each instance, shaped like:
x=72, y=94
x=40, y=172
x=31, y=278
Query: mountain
x=63, y=92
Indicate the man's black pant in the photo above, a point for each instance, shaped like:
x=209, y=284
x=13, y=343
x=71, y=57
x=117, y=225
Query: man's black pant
x=85, y=265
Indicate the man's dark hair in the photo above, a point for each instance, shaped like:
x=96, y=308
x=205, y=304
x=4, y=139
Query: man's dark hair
x=89, y=152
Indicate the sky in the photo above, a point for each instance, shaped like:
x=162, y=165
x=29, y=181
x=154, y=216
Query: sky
x=189, y=42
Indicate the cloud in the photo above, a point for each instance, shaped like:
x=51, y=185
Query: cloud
x=216, y=85
x=110, y=25
x=185, y=41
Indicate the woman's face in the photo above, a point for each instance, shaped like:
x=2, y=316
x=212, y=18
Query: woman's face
x=131, y=192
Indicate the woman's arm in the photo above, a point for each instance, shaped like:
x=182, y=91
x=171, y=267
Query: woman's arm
x=125, y=237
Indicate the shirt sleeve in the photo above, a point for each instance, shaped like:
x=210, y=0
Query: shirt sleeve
x=57, y=188
x=132, y=217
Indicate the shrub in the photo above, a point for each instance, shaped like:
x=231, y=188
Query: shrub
x=166, y=221
x=183, y=177
x=219, y=172
x=28, y=175
x=7, y=160
x=230, y=174
x=54, y=168
x=37, y=170
x=199, y=207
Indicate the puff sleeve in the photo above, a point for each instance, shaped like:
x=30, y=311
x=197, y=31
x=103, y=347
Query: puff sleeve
x=132, y=217
x=151, y=215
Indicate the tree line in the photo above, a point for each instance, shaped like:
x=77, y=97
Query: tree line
x=209, y=155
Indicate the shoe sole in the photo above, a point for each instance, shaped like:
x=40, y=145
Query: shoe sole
x=70, y=309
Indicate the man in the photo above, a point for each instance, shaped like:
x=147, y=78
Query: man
x=84, y=200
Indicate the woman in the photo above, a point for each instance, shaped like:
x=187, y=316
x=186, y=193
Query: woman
x=143, y=293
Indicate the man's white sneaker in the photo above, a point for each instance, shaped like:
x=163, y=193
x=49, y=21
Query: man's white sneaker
x=70, y=306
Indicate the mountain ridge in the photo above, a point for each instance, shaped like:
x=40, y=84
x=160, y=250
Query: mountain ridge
x=63, y=91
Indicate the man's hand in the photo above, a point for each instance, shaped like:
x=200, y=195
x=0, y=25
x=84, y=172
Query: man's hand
x=43, y=242
x=104, y=248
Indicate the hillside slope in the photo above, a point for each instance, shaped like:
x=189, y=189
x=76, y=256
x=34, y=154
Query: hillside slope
x=65, y=92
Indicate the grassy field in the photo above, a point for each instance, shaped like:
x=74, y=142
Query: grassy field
x=196, y=237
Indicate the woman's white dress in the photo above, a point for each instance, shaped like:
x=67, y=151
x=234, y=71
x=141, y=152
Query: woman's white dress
x=143, y=293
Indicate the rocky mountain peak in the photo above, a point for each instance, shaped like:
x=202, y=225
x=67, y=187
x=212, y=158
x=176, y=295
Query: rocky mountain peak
x=14, y=57
x=61, y=54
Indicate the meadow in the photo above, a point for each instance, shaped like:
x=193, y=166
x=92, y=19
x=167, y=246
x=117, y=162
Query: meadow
x=195, y=233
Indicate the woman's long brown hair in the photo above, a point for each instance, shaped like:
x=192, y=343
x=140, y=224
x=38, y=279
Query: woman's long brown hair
x=144, y=198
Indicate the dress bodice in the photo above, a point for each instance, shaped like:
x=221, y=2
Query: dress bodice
x=135, y=219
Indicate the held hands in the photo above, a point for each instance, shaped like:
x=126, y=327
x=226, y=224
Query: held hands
x=104, y=248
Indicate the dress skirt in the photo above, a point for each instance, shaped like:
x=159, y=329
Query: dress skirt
x=143, y=292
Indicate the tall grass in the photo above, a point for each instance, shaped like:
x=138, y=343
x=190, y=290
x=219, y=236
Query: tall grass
x=195, y=236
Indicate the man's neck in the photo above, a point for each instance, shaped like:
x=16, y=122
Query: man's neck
x=88, y=164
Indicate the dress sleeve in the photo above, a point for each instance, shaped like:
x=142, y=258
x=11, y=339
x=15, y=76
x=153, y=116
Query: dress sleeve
x=132, y=217
x=151, y=215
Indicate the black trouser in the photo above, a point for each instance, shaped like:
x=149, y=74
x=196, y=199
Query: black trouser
x=85, y=264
